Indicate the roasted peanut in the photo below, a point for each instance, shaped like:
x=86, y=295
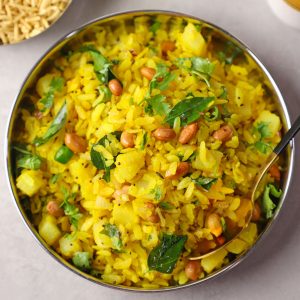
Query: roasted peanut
x=187, y=133
x=127, y=139
x=193, y=269
x=115, y=87
x=223, y=134
x=148, y=72
x=167, y=46
x=164, y=134
x=213, y=222
x=275, y=172
x=75, y=143
x=123, y=191
x=221, y=240
x=256, y=213
x=38, y=114
x=54, y=209
x=154, y=217
x=182, y=169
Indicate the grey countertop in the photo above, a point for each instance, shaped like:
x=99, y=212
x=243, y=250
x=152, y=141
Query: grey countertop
x=270, y=272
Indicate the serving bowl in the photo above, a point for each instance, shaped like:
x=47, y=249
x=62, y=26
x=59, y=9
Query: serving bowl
x=42, y=64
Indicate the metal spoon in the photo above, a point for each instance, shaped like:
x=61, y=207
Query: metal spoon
x=248, y=205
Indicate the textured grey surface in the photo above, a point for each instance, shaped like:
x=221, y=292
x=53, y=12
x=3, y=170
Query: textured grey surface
x=271, y=271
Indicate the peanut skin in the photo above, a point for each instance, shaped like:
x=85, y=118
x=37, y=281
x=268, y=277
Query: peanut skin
x=223, y=134
x=164, y=134
x=127, y=139
x=187, y=133
x=182, y=169
x=54, y=209
x=148, y=72
x=76, y=143
x=115, y=87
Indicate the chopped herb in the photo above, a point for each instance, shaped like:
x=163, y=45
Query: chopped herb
x=198, y=66
x=25, y=159
x=223, y=223
x=102, y=66
x=164, y=256
x=144, y=141
x=98, y=159
x=56, y=85
x=155, y=26
x=157, y=192
x=157, y=105
x=113, y=232
x=262, y=128
x=189, y=110
x=161, y=79
x=166, y=205
x=54, y=178
x=268, y=205
x=212, y=115
x=224, y=93
x=115, y=61
x=95, y=273
x=70, y=209
x=57, y=124
x=230, y=52
x=262, y=147
x=205, y=182
x=82, y=260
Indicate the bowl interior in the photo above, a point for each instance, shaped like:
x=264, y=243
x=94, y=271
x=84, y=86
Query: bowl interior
x=84, y=32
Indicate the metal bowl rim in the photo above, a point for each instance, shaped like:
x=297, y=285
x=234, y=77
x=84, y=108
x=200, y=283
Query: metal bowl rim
x=215, y=274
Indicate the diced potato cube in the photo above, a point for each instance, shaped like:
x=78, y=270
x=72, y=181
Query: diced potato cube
x=271, y=119
x=49, y=230
x=30, y=181
x=125, y=215
x=128, y=165
x=69, y=245
x=192, y=40
x=237, y=246
x=213, y=261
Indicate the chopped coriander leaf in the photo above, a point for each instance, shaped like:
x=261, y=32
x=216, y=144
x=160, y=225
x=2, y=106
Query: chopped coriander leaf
x=82, y=260
x=223, y=223
x=25, y=159
x=157, y=192
x=230, y=52
x=56, y=85
x=212, y=115
x=263, y=129
x=268, y=205
x=157, y=105
x=198, y=66
x=113, y=232
x=263, y=147
x=54, y=178
x=155, y=26
x=70, y=209
x=144, y=141
x=205, y=182
x=166, y=205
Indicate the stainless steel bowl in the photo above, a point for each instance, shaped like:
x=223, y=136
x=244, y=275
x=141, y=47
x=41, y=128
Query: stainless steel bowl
x=42, y=63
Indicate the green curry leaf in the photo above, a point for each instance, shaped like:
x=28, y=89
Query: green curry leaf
x=164, y=256
x=188, y=110
x=57, y=124
x=205, y=182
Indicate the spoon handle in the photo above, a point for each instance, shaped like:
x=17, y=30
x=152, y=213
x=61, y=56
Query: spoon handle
x=288, y=136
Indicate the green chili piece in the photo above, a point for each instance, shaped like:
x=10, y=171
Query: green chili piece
x=63, y=154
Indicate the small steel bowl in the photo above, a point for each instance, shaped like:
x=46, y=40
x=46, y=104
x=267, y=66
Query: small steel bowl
x=42, y=63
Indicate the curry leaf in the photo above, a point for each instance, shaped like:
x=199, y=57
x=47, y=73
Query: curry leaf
x=155, y=26
x=144, y=141
x=205, y=182
x=164, y=256
x=57, y=124
x=56, y=85
x=102, y=66
x=189, y=110
x=82, y=260
x=268, y=205
x=113, y=232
